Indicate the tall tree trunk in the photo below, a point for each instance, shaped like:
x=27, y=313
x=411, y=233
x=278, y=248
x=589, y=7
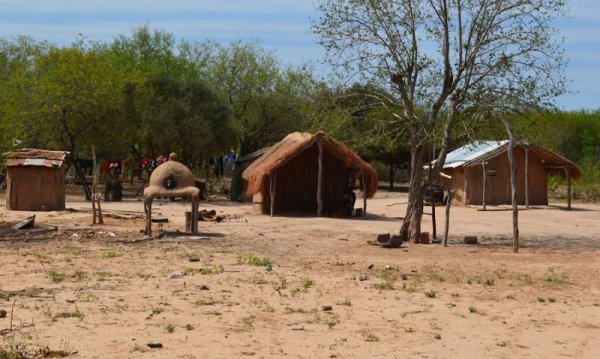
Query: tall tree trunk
x=411, y=225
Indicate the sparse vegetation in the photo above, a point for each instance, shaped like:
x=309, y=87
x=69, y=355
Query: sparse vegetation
x=430, y=294
x=556, y=278
x=254, y=260
x=170, y=328
x=369, y=337
x=69, y=314
x=56, y=277
x=384, y=286
x=111, y=253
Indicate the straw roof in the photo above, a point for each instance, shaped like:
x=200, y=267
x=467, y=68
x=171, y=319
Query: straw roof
x=293, y=144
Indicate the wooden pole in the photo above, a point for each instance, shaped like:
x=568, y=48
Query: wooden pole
x=364, y=191
x=194, y=224
x=568, y=175
x=484, y=185
x=527, y=175
x=272, y=192
x=320, y=180
x=447, y=227
x=513, y=185
x=433, y=223
x=95, y=194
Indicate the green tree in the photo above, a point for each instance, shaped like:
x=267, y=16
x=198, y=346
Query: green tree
x=444, y=60
x=268, y=101
x=68, y=98
x=187, y=117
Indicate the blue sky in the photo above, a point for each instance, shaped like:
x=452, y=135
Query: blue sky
x=282, y=26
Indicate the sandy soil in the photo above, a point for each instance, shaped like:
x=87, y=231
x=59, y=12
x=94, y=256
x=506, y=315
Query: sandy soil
x=101, y=292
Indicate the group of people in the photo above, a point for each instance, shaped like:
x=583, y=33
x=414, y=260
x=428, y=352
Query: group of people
x=223, y=162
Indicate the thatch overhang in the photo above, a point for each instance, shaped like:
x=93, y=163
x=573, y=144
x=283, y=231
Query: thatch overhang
x=293, y=144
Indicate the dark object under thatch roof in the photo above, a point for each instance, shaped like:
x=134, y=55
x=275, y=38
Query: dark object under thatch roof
x=289, y=172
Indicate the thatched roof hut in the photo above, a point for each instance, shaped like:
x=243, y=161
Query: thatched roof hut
x=480, y=173
x=307, y=173
x=35, y=180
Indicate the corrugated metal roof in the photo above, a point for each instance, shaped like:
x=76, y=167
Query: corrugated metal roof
x=36, y=158
x=475, y=153
x=470, y=151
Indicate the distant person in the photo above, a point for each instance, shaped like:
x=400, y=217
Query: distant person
x=348, y=200
x=219, y=166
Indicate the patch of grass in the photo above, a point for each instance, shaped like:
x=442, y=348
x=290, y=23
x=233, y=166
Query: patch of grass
x=409, y=287
x=138, y=348
x=430, y=294
x=368, y=336
x=188, y=326
x=345, y=302
x=556, y=278
x=111, y=253
x=209, y=271
x=455, y=295
x=73, y=314
x=20, y=353
x=170, y=328
x=56, y=277
x=79, y=275
x=333, y=321
x=384, y=286
x=541, y=299
x=289, y=310
x=205, y=301
x=489, y=282
x=551, y=299
x=510, y=296
x=433, y=274
x=156, y=311
x=307, y=283
x=254, y=260
x=191, y=255
x=472, y=309
x=525, y=278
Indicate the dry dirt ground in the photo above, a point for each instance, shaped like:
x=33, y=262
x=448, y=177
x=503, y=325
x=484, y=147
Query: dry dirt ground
x=101, y=292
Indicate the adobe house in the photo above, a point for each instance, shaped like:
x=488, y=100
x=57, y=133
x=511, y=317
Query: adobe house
x=306, y=173
x=35, y=180
x=480, y=173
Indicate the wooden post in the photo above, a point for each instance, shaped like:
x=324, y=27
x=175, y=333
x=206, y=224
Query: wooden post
x=568, y=175
x=188, y=221
x=272, y=191
x=95, y=194
x=484, y=184
x=527, y=175
x=320, y=180
x=194, y=224
x=364, y=191
x=447, y=227
x=433, y=224
x=513, y=185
